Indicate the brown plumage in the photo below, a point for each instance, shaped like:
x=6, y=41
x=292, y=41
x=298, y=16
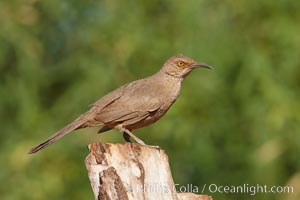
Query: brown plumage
x=136, y=104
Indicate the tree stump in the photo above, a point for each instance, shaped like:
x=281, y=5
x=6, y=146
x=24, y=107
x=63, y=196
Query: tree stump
x=131, y=171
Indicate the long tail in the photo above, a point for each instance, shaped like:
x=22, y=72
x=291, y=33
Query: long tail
x=76, y=124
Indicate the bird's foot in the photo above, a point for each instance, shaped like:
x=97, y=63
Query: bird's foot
x=127, y=135
x=152, y=146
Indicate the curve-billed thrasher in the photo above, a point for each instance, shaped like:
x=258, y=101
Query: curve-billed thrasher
x=134, y=105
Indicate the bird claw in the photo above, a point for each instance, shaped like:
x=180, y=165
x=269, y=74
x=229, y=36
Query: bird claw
x=127, y=135
x=153, y=146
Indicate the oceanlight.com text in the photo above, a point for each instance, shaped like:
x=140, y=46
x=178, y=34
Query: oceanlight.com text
x=247, y=189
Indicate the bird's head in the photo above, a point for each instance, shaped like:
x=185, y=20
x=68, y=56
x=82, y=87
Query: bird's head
x=180, y=66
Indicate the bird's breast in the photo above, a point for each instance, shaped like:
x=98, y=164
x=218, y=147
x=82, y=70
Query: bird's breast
x=172, y=89
x=169, y=94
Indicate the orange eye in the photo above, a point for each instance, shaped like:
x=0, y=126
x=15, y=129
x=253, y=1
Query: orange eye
x=180, y=63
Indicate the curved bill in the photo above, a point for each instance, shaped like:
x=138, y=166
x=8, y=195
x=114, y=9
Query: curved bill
x=200, y=64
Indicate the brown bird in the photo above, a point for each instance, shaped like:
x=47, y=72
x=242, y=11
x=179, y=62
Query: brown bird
x=134, y=105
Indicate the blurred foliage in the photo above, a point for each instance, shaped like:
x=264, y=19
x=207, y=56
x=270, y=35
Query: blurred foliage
x=238, y=124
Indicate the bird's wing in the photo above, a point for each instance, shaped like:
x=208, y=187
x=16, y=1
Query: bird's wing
x=137, y=102
x=121, y=110
x=90, y=116
x=109, y=98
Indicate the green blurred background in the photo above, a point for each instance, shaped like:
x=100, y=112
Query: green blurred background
x=238, y=124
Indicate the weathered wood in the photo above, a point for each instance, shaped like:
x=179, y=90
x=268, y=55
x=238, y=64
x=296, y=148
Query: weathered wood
x=131, y=171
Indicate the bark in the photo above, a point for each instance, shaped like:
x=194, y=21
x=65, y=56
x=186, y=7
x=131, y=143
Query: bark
x=131, y=171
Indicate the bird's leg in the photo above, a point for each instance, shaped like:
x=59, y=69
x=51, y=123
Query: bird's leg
x=138, y=140
x=126, y=137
